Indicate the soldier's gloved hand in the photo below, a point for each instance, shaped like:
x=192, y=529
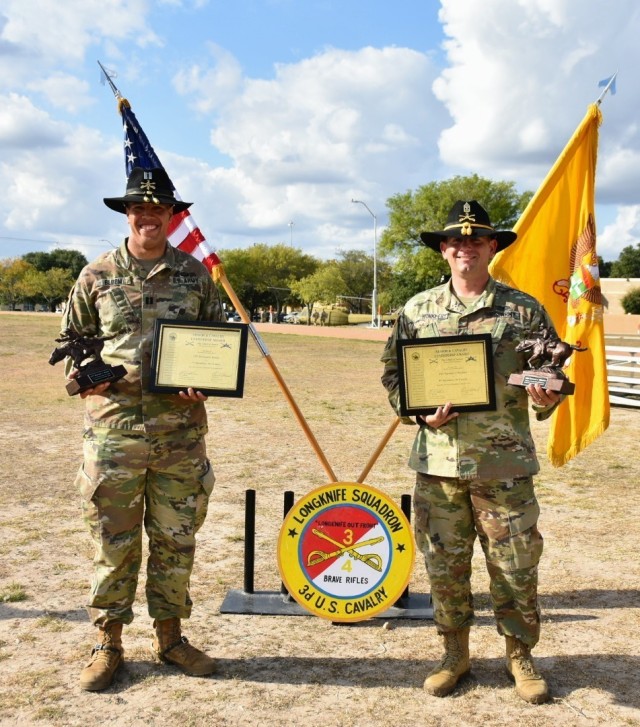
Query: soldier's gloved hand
x=442, y=415
x=191, y=395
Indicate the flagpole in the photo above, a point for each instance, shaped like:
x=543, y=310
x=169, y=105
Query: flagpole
x=606, y=88
x=219, y=276
x=116, y=93
x=383, y=443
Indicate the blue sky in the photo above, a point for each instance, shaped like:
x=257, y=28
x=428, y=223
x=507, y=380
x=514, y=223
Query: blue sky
x=261, y=35
x=267, y=112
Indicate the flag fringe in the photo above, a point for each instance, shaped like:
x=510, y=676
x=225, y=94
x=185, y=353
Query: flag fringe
x=217, y=272
x=577, y=447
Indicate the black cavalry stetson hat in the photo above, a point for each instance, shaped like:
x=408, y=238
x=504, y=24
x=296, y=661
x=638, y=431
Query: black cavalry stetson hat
x=467, y=218
x=147, y=185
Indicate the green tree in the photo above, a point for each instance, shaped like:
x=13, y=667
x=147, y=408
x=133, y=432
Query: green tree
x=604, y=267
x=50, y=287
x=283, y=265
x=70, y=260
x=631, y=301
x=261, y=274
x=412, y=273
x=323, y=286
x=628, y=264
x=356, y=271
x=12, y=273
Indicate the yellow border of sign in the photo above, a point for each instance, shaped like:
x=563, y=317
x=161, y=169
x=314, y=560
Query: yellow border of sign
x=401, y=552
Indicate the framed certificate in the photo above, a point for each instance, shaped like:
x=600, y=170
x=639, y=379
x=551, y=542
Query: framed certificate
x=434, y=371
x=206, y=355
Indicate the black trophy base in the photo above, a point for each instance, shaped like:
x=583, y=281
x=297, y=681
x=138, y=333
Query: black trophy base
x=89, y=377
x=550, y=381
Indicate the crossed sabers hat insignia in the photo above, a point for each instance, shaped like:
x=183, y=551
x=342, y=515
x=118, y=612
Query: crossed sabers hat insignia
x=373, y=560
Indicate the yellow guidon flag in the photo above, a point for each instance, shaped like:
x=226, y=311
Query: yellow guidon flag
x=554, y=259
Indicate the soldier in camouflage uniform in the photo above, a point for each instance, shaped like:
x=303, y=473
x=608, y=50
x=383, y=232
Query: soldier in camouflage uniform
x=474, y=469
x=145, y=461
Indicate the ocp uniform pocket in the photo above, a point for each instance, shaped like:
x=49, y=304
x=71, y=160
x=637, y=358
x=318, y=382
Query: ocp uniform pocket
x=421, y=509
x=207, y=481
x=88, y=501
x=117, y=315
x=524, y=537
x=506, y=334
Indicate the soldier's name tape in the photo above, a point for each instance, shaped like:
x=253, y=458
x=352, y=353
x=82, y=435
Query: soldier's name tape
x=345, y=552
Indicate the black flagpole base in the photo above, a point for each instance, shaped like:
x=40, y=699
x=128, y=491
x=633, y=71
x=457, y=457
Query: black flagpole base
x=274, y=603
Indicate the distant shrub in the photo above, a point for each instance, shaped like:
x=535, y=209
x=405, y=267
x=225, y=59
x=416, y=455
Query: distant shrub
x=631, y=301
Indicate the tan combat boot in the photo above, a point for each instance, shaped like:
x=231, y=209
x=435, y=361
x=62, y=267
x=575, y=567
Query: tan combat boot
x=106, y=657
x=172, y=647
x=530, y=685
x=454, y=665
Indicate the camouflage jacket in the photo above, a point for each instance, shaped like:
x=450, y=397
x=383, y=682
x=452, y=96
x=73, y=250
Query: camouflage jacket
x=483, y=445
x=113, y=298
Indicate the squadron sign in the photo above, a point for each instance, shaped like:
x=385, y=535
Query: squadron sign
x=345, y=552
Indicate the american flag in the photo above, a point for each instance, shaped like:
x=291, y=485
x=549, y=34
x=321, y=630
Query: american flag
x=183, y=233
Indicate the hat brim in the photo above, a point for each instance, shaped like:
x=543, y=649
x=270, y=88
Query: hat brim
x=119, y=204
x=432, y=240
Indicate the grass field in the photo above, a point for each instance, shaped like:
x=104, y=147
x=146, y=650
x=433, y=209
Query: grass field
x=300, y=670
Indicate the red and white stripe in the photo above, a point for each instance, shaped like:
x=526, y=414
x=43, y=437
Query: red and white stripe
x=185, y=234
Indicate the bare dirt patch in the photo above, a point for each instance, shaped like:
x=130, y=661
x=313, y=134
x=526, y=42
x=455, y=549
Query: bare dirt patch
x=299, y=670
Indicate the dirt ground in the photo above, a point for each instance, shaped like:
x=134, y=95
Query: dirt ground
x=300, y=670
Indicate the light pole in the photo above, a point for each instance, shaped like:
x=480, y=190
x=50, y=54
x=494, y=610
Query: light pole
x=291, y=233
x=375, y=318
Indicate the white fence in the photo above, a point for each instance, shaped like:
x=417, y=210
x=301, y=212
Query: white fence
x=623, y=374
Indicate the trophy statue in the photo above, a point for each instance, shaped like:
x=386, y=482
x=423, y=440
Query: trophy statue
x=80, y=349
x=547, y=357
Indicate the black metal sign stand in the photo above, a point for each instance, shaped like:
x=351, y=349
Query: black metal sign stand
x=279, y=603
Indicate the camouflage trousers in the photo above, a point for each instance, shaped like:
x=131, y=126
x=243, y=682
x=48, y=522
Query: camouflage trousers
x=449, y=513
x=130, y=479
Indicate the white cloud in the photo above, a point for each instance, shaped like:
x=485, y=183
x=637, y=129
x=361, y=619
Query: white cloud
x=211, y=87
x=521, y=75
x=623, y=231
x=42, y=196
x=303, y=143
x=24, y=126
x=36, y=34
x=56, y=189
x=618, y=174
x=64, y=91
x=520, y=78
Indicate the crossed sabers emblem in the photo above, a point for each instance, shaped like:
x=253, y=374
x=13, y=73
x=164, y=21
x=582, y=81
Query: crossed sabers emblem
x=373, y=560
